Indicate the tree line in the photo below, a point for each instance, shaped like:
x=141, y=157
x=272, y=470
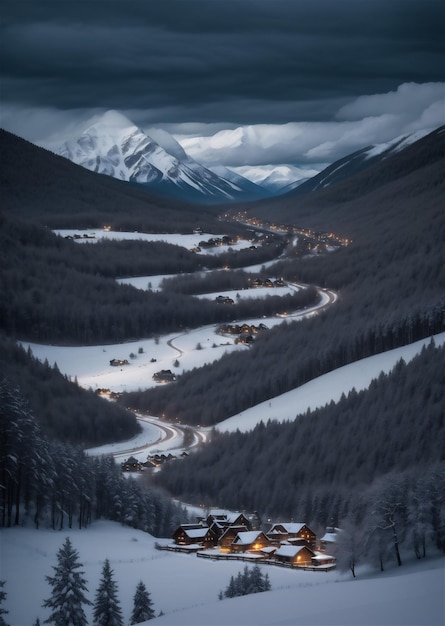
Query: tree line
x=285, y=357
x=56, y=484
x=60, y=292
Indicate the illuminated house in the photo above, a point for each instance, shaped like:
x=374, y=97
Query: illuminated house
x=294, y=555
x=194, y=535
x=164, y=376
x=229, y=535
x=250, y=541
x=292, y=532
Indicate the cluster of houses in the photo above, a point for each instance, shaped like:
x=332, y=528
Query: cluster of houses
x=267, y=282
x=235, y=535
x=155, y=460
x=245, y=332
x=225, y=240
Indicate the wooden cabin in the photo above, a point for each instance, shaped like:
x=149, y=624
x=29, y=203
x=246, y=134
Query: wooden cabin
x=249, y=541
x=228, y=536
x=164, y=376
x=190, y=534
x=294, y=555
x=228, y=519
x=288, y=531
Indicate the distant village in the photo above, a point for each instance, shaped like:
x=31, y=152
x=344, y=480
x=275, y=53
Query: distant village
x=236, y=536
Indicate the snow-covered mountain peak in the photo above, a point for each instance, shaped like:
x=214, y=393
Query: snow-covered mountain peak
x=114, y=146
x=114, y=123
x=168, y=142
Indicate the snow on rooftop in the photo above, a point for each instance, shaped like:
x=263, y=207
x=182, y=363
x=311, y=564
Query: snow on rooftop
x=290, y=527
x=289, y=550
x=246, y=537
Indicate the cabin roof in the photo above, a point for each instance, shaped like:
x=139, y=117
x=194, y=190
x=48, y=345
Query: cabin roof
x=195, y=533
x=289, y=527
x=290, y=551
x=246, y=537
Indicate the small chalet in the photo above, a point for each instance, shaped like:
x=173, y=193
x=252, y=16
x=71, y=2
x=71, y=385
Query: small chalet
x=294, y=555
x=327, y=542
x=164, y=376
x=131, y=465
x=224, y=300
x=228, y=536
x=292, y=532
x=194, y=534
x=118, y=362
x=228, y=519
x=250, y=541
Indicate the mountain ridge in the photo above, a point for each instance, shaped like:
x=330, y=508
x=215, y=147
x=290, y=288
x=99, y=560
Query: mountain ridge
x=114, y=146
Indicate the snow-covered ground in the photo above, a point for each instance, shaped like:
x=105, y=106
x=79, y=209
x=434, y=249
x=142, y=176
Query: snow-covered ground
x=185, y=588
x=188, y=241
x=177, y=351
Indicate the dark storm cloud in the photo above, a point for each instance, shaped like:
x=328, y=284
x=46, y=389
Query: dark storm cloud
x=237, y=61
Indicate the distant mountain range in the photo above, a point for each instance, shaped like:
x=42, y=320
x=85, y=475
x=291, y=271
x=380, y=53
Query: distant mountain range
x=116, y=147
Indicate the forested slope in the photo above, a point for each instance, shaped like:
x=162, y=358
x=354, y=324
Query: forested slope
x=64, y=411
x=57, y=291
x=318, y=467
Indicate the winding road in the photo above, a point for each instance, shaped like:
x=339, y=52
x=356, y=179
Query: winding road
x=174, y=438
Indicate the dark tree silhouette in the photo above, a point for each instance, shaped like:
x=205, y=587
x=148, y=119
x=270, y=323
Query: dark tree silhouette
x=68, y=589
x=107, y=610
x=142, y=605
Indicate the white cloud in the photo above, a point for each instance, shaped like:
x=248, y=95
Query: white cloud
x=407, y=102
x=366, y=120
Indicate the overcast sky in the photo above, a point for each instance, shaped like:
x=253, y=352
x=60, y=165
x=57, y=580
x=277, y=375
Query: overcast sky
x=239, y=82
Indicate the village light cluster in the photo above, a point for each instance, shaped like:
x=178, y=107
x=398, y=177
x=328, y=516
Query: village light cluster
x=236, y=536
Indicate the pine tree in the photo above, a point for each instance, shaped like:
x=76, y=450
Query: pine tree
x=250, y=580
x=68, y=587
x=107, y=610
x=142, y=605
x=2, y=597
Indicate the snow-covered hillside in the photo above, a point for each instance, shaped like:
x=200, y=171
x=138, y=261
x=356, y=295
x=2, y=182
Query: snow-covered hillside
x=353, y=163
x=185, y=588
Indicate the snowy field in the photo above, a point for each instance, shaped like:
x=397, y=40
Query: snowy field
x=179, y=352
x=185, y=588
x=186, y=241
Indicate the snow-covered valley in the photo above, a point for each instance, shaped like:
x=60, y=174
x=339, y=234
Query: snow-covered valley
x=182, y=586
